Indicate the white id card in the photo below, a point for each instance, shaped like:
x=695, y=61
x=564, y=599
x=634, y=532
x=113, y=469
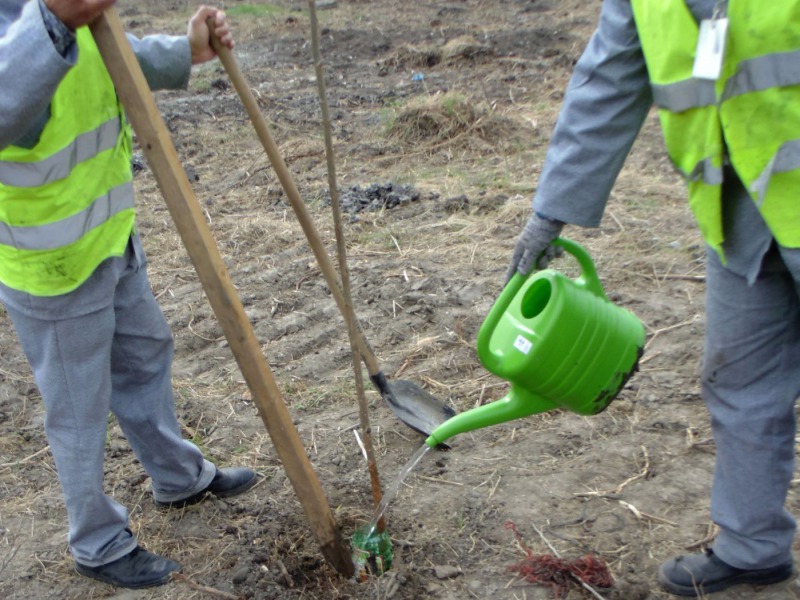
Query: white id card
x=710, y=49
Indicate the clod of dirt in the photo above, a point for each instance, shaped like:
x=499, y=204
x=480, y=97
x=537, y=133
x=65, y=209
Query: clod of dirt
x=464, y=46
x=630, y=590
x=415, y=57
x=446, y=571
x=240, y=575
x=376, y=196
x=220, y=84
x=795, y=587
x=456, y=204
x=391, y=583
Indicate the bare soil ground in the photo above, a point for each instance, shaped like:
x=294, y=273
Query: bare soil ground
x=455, y=100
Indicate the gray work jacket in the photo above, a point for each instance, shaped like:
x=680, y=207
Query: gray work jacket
x=31, y=68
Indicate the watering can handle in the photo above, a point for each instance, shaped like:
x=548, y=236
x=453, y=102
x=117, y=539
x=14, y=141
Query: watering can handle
x=588, y=279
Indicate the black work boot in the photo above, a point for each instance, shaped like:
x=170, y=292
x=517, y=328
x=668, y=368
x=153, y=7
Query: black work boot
x=697, y=574
x=137, y=569
x=226, y=483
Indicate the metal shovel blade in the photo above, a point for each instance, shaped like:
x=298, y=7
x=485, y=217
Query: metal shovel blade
x=415, y=407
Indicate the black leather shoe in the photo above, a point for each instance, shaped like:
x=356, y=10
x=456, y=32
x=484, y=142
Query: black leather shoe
x=226, y=483
x=696, y=574
x=138, y=569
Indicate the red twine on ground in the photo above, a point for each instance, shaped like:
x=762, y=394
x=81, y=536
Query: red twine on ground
x=558, y=573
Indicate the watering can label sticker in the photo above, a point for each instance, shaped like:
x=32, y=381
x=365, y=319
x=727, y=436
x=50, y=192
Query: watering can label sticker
x=523, y=344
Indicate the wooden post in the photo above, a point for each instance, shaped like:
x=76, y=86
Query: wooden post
x=155, y=140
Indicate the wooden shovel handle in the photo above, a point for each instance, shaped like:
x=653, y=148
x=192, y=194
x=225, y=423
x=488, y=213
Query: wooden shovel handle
x=242, y=87
x=155, y=141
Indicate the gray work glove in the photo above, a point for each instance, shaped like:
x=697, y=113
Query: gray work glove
x=534, y=246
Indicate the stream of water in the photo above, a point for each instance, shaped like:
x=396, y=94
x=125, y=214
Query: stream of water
x=366, y=532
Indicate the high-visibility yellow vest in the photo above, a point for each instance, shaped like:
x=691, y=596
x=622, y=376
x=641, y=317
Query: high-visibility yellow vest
x=67, y=204
x=750, y=115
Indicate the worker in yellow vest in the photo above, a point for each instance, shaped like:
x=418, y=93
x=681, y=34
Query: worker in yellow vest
x=724, y=75
x=73, y=276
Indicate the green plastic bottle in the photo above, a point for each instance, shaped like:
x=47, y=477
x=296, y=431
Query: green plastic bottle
x=372, y=551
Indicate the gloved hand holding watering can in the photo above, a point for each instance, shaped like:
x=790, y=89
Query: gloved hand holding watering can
x=560, y=342
x=535, y=248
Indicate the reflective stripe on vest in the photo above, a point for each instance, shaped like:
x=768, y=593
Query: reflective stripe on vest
x=754, y=75
x=66, y=204
x=749, y=117
x=764, y=72
x=785, y=160
x=706, y=172
x=60, y=165
x=683, y=95
x=68, y=231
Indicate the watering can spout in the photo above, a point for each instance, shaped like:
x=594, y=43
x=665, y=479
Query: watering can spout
x=518, y=403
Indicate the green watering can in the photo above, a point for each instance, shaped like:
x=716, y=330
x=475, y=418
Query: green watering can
x=560, y=342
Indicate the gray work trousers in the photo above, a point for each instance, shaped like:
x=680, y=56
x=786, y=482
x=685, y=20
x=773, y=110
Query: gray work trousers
x=750, y=380
x=117, y=357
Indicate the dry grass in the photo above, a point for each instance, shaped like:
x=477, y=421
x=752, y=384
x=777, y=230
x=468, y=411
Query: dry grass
x=429, y=122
